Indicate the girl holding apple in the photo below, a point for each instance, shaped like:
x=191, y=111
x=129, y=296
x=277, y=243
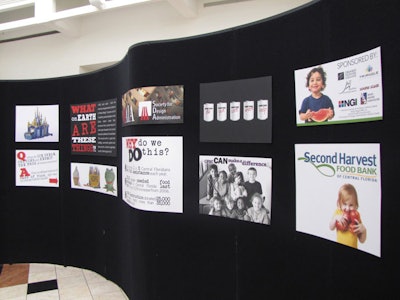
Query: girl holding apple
x=346, y=219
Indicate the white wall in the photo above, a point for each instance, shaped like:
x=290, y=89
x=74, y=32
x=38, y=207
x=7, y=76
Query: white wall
x=106, y=37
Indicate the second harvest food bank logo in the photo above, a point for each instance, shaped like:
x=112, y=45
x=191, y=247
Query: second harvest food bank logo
x=343, y=165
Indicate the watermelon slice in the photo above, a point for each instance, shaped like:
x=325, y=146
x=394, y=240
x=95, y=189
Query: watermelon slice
x=321, y=115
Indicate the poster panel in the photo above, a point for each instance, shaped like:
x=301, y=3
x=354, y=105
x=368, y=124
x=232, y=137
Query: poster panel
x=153, y=105
x=236, y=111
x=236, y=187
x=94, y=177
x=338, y=193
x=347, y=90
x=152, y=174
x=37, y=168
x=36, y=123
x=94, y=128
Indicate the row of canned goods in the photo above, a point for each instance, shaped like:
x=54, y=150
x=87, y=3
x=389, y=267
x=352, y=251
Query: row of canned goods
x=249, y=110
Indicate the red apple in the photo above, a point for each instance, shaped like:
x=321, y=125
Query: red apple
x=354, y=219
x=344, y=225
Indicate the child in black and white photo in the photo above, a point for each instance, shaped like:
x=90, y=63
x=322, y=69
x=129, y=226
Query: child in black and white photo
x=252, y=185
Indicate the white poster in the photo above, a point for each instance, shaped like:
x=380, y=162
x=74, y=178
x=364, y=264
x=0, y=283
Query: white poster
x=152, y=173
x=236, y=187
x=36, y=123
x=37, y=168
x=347, y=90
x=94, y=177
x=338, y=193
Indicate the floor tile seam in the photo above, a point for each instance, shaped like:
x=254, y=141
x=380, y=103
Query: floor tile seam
x=85, y=280
x=8, y=272
x=41, y=281
x=15, y=286
x=43, y=293
x=65, y=281
x=59, y=277
x=42, y=286
x=106, y=281
x=87, y=284
x=40, y=266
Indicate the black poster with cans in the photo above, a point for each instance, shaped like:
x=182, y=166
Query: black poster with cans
x=236, y=111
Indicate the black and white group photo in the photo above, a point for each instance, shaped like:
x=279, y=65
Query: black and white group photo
x=236, y=187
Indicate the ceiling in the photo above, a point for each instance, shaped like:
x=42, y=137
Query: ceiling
x=20, y=19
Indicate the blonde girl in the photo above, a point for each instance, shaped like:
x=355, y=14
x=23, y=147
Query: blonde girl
x=346, y=218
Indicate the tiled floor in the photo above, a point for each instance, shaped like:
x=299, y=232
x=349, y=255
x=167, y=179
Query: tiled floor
x=48, y=282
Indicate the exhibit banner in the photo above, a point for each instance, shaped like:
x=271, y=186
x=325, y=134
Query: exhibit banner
x=153, y=105
x=338, y=193
x=94, y=177
x=347, y=90
x=36, y=123
x=37, y=168
x=152, y=173
x=236, y=187
x=94, y=128
x=236, y=111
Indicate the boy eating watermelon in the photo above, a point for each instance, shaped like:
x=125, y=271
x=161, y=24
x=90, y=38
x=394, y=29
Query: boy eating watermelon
x=317, y=107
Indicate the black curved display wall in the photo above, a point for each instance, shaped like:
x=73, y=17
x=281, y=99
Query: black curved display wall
x=190, y=256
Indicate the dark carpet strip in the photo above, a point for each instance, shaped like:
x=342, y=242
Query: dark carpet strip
x=42, y=286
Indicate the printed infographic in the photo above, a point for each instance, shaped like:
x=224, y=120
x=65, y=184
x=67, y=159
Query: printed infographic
x=37, y=168
x=94, y=128
x=347, y=90
x=152, y=173
x=36, y=123
x=153, y=105
x=236, y=111
x=236, y=187
x=338, y=194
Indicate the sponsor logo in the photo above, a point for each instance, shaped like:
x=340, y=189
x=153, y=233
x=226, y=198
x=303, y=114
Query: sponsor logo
x=373, y=86
x=144, y=110
x=348, y=102
x=369, y=72
x=348, y=88
x=364, y=98
x=347, y=74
